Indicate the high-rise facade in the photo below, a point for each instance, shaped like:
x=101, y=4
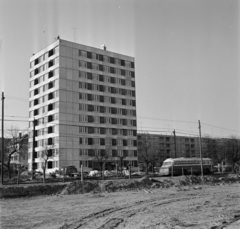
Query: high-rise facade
x=84, y=102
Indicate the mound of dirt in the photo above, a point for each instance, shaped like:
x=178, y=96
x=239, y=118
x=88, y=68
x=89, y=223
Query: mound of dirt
x=78, y=187
x=119, y=185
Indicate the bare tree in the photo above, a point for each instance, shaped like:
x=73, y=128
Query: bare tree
x=233, y=151
x=15, y=143
x=121, y=158
x=209, y=146
x=147, y=150
x=101, y=156
x=47, y=154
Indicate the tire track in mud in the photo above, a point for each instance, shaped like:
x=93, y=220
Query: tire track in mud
x=113, y=217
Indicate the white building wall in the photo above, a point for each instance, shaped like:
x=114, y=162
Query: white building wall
x=66, y=110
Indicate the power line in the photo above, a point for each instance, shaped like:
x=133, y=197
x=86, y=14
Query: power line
x=220, y=127
x=10, y=116
x=168, y=120
x=16, y=97
x=13, y=120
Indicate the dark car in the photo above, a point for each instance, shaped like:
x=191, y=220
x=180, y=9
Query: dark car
x=70, y=170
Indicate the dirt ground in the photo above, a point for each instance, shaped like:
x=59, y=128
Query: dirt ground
x=189, y=206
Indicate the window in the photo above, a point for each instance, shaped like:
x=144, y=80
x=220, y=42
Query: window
x=113, y=110
x=50, y=129
x=50, y=63
x=36, y=61
x=82, y=64
x=49, y=164
x=82, y=53
x=125, y=154
x=36, y=91
x=117, y=71
x=112, y=60
x=102, y=130
x=113, y=90
x=89, y=86
x=50, y=118
x=89, y=55
x=90, y=130
x=101, y=78
x=35, y=112
x=91, y=153
x=82, y=74
x=101, y=88
x=112, y=80
x=82, y=129
x=36, y=81
x=36, y=71
x=128, y=64
x=83, y=118
x=102, y=119
x=127, y=73
x=122, y=63
x=35, y=102
x=113, y=100
x=106, y=59
x=80, y=141
x=120, y=142
x=50, y=107
x=106, y=68
x=90, y=118
x=102, y=109
x=114, y=131
x=89, y=97
x=101, y=98
x=90, y=141
x=90, y=108
x=114, y=142
x=50, y=85
x=89, y=76
x=114, y=121
x=50, y=96
x=51, y=52
x=89, y=65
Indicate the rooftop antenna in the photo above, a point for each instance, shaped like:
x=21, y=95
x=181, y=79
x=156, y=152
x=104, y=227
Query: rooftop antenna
x=104, y=47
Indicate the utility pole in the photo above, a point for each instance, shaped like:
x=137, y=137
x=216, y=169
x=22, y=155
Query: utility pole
x=175, y=146
x=2, y=156
x=33, y=145
x=200, y=142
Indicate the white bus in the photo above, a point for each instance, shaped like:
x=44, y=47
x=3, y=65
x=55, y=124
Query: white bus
x=186, y=166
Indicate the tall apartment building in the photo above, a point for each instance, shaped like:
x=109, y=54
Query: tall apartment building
x=83, y=101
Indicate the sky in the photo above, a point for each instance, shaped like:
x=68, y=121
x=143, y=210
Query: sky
x=186, y=56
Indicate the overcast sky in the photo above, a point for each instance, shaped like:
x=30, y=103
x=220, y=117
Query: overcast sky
x=186, y=54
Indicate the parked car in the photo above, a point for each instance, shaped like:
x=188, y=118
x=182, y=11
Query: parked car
x=70, y=170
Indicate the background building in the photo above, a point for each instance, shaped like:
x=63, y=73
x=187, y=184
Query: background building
x=83, y=101
x=153, y=149
x=160, y=147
